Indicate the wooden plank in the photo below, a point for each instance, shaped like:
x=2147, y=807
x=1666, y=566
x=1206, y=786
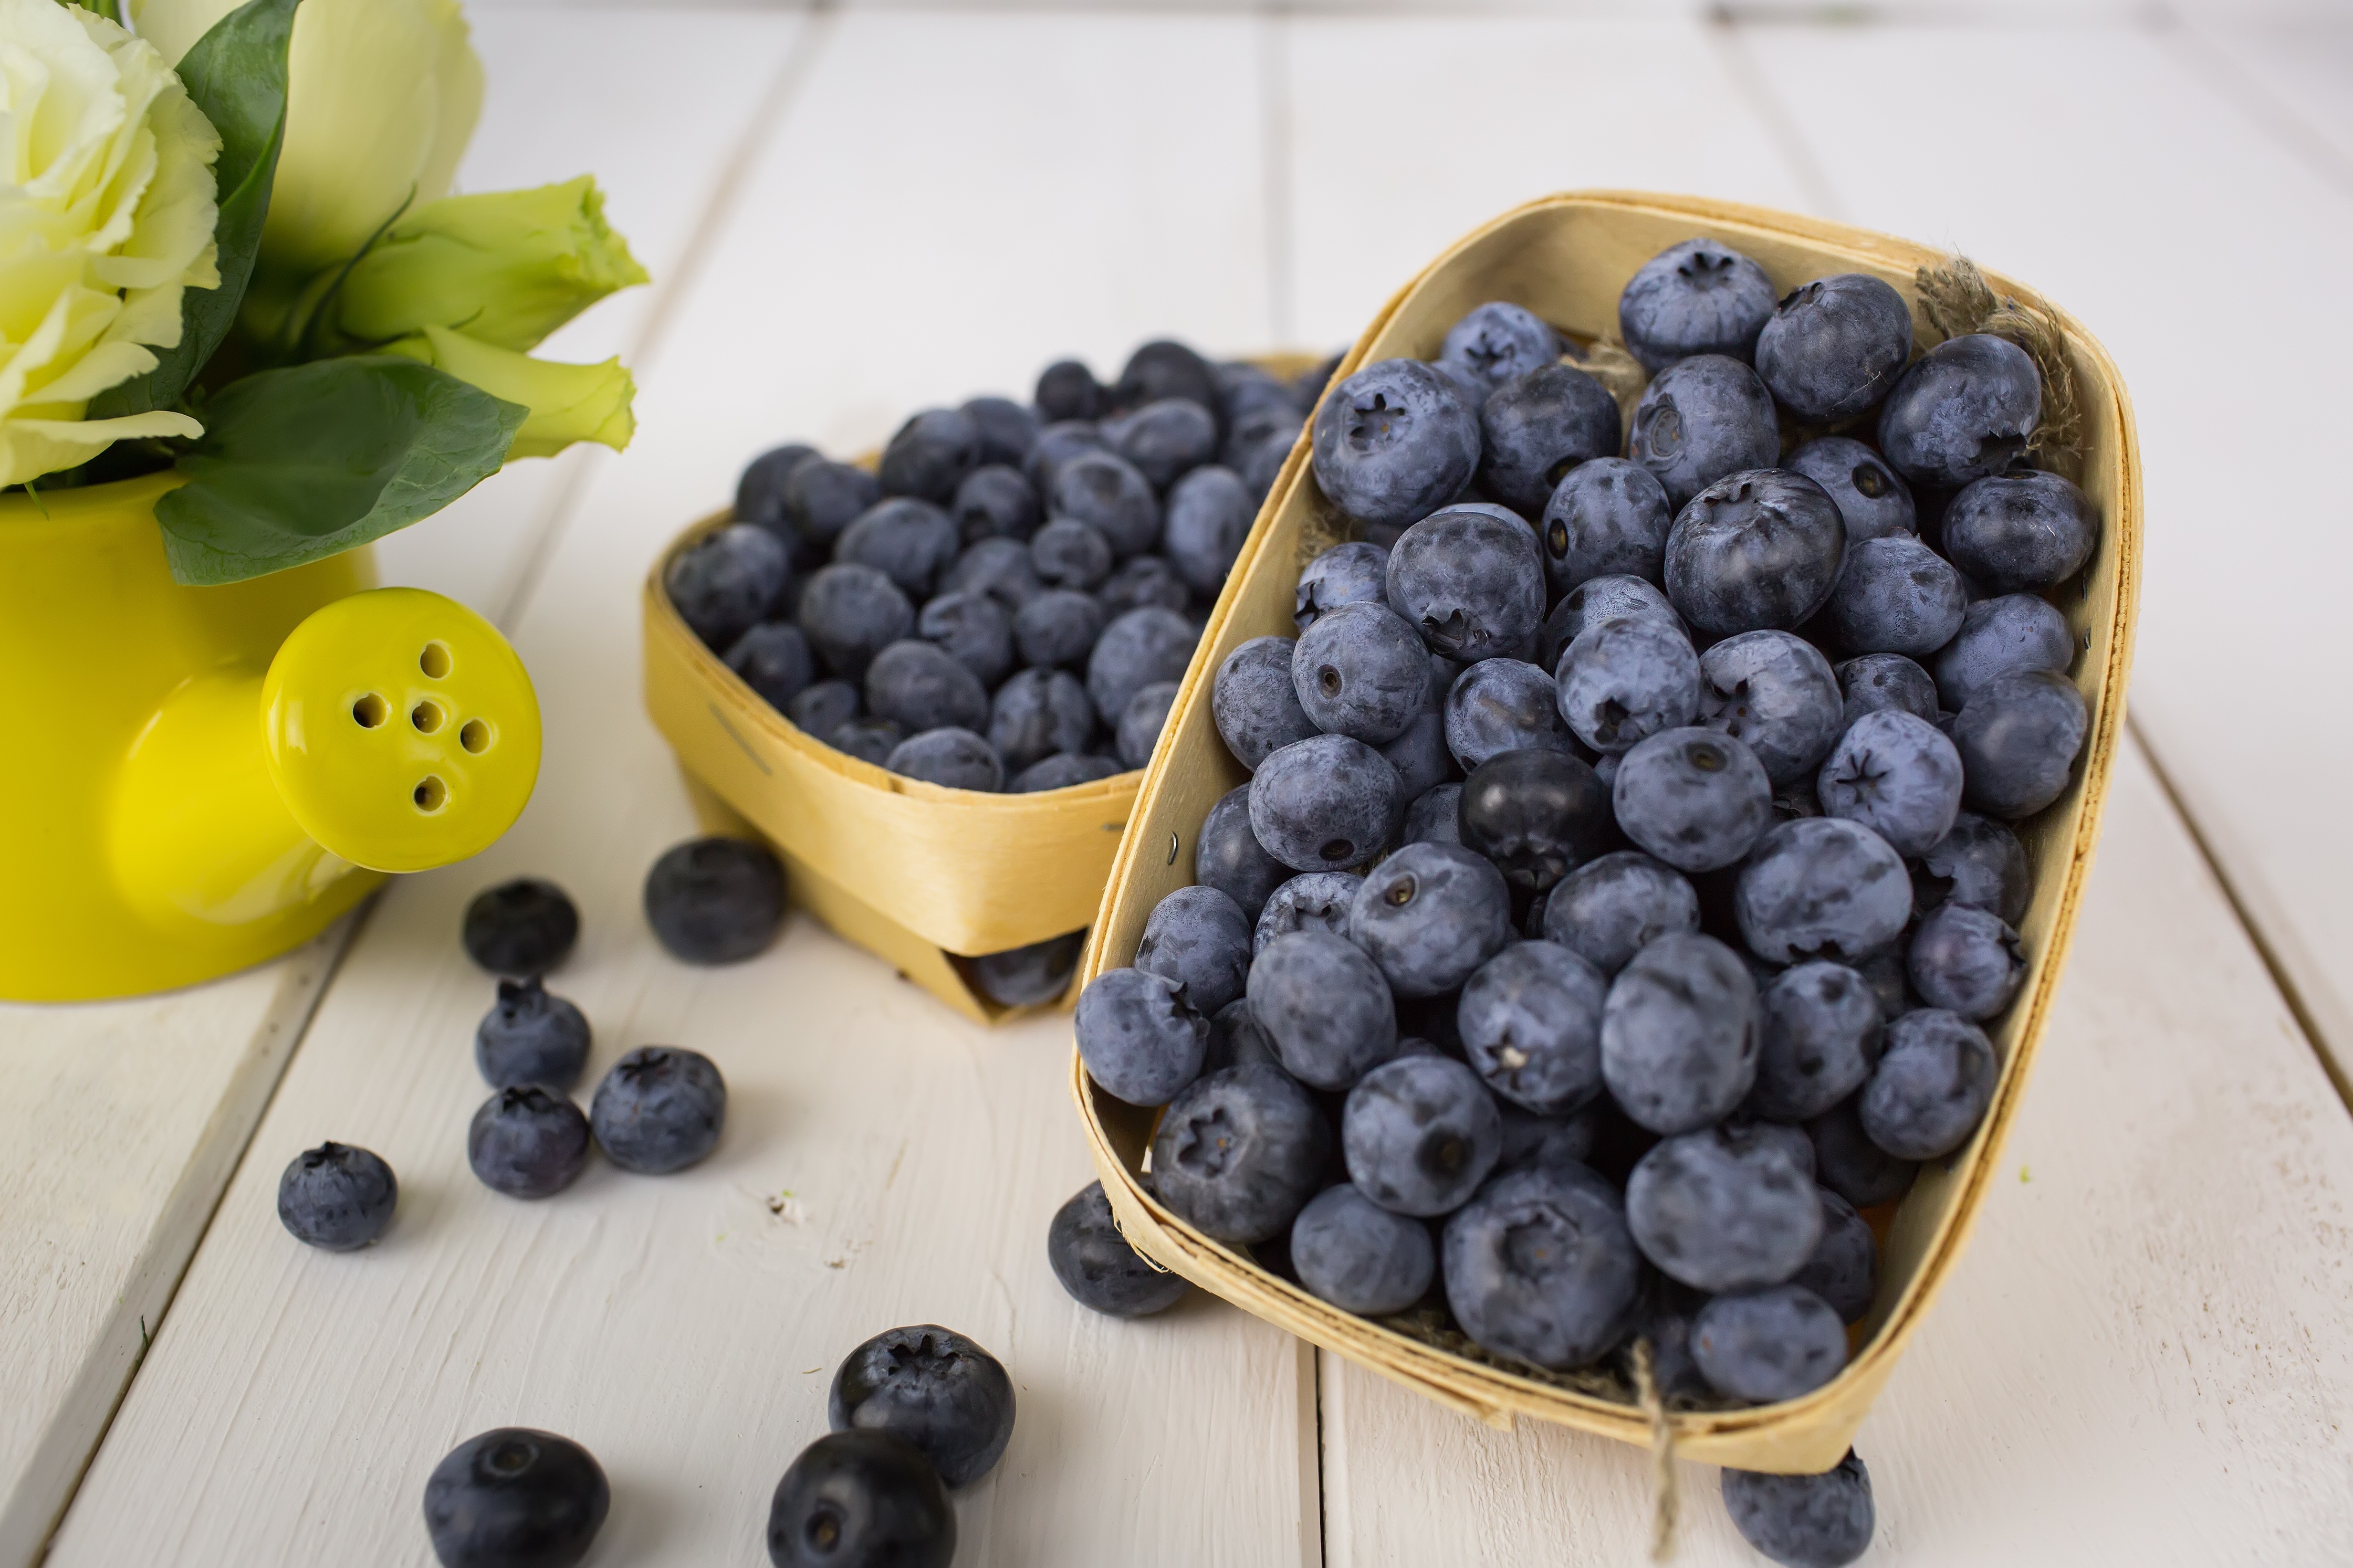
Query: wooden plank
x=918, y=228
x=2143, y=1358
x=125, y=1120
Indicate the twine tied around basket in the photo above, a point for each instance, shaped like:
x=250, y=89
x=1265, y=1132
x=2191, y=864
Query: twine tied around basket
x=1666, y=1499
x=1957, y=301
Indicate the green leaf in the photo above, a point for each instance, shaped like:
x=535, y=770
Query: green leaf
x=237, y=75
x=307, y=462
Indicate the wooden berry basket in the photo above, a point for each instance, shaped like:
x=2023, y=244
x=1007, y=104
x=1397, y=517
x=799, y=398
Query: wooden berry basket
x=1566, y=257
x=914, y=872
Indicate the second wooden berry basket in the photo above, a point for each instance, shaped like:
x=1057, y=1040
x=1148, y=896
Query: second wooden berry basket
x=1566, y=257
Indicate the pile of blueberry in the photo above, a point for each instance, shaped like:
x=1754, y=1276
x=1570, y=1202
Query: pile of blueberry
x=1626, y=876
x=1008, y=601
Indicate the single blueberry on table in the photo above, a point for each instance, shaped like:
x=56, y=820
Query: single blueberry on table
x=1496, y=344
x=1804, y=1521
x=924, y=687
x=1873, y=500
x=1435, y=816
x=931, y=1388
x=1844, y=1268
x=1421, y=755
x=2006, y=635
x=1849, y=1164
x=1238, y=1154
x=1725, y=1208
x=1501, y=705
x=1255, y=701
x=1701, y=420
x=1770, y=1345
x=1885, y=681
x=515, y=1497
x=1351, y=573
x=863, y=1497
x=1138, y=650
x=1026, y=975
x=1361, y=670
x=1209, y=515
x=1067, y=390
x=527, y=1142
x=1931, y=1085
x=1531, y=1025
x=336, y=1198
x=759, y=489
x=1701, y=297
x=1360, y=1256
x=715, y=901
x=530, y=1037
x=851, y=613
x=1695, y=799
x=2019, y=739
x=1538, y=814
x=1605, y=517
x=1774, y=693
x=911, y=541
x=1429, y=915
x=1104, y=490
x=1540, y=1266
x=1980, y=863
x=1062, y=771
x=1964, y=411
x=1165, y=440
x=928, y=457
x=1058, y=628
x=824, y=707
x=1896, y=774
x=1625, y=680
x=1067, y=553
x=1313, y=901
x=1536, y=427
x=1139, y=1041
x=1324, y=804
x=976, y=631
x=823, y=498
x=869, y=740
x=950, y=757
x=522, y=927
x=1821, y=1035
x=997, y=567
x=1394, y=441
x=1199, y=938
x=1834, y=347
x=726, y=583
x=1594, y=600
x=658, y=1110
x=1420, y=1133
x=2021, y=532
x=1679, y=1034
x=1164, y=369
x=1966, y=961
x=1896, y=595
x=996, y=502
x=1325, y=1006
x=1098, y=1267
x=1141, y=581
x=1140, y=723
x=1229, y=857
x=1758, y=548
x=1470, y=580
x=1006, y=429
x=773, y=659
x=1609, y=909
x=1821, y=887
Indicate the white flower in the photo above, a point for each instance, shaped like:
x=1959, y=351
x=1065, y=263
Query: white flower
x=106, y=214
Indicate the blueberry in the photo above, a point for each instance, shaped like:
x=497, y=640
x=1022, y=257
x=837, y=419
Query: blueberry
x=1229, y=858
x=1104, y=490
x=1007, y=429
x=1058, y=444
x=1531, y=1025
x=759, y=496
x=1137, y=650
x=658, y=1110
x=1538, y=427
x=522, y=927
x=1421, y=755
x=1844, y=1267
x=851, y=613
x=1199, y=939
x=996, y=502
x=1238, y=1154
x=1360, y=670
x=1472, y=582
x=1724, y=1209
x=1067, y=390
x=1060, y=626
x=933, y=1389
x=1501, y=705
x=1770, y=1345
x=1873, y=500
x=1849, y=1164
x=1098, y=1267
x=1067, y=553
x=530, y=1037
x=1774, y=693
x=1353, y=573
x=823, y=498
x=527, y=1142
x=1429, y=915
x=973, y=629
x=1141, y=581
x=1532, y=1140
x=825, y=706
x=860, y=1497
x=1419, y=1134
x=911, y=541
x=515, y=1497
x=1360, y=1256
x=1257, y=404
x=1255, y=703
x=997, y=567
x=1594, y=600
x=1966, y=961
x=951, y=757
x=1821, y=1035
x=1496, y=343
x=1877, y=682
x=1834, y=347
x=1931, y=1088
x=1759, y=549
x=1695, y=799
x=1980, y=863
x=2005, y=636
x=1259, y=467
x=1140, y=723
x=1804, y=1521
x=869, y=740
x=1537, y=813
x=1435, y=816
x=923, y=687
x=1896, y=774
x=1139, y=1041
x=773, y=659
x=1896, y=595
x=1701, y=421
x=1026, y=975
x=930, y=455
x=1609, y=909
x=1962, y=411
x=1324, y=804
x=1625, y=680
x=727, y=582
x=1821, y=887
x=1209, y=515
x=1395, y=441
x=715, y=901
x=1699, y=297
x=2019, y=739
x=336, y=1196
x=1165, y=440
x=1679, y=1034
x=1539, y=1266
x=1166, y=369
x=1325, y=1006
x=1313, y=901
x=2013, y=531
x=1607, y=517
x=1062, y=771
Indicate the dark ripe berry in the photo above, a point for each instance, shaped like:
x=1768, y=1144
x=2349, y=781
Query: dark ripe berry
x=1068, y=390
x=1804, y=1521
x=1538, y=814
x=861, y=1499
x=1099, y=1267
x=715, y=901
x=336, y=1198
x=522, y=927
x=932, y=1387
x=658, y=1110
x=530, y=1037
x=514, y=1498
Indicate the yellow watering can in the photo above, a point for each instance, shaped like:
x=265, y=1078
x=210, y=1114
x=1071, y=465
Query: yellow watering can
x=193, y=780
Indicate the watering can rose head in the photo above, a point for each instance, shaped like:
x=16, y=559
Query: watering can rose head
x=109, y=219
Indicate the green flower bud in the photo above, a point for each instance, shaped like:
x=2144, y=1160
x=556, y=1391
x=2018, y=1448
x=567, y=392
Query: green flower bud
x=568, y=402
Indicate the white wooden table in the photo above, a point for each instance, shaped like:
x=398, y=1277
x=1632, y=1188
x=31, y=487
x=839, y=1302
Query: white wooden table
x=2146, y=1357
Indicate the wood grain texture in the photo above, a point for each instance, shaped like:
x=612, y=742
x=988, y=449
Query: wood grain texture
x=2142, y=1359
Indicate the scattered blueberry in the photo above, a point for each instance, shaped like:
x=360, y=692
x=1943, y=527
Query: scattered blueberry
x=336, y=1198
x=530, y=1037
x=1141, y=581
x=997, y=567
x=1006, y=429
x=1804, y=1521
x=522, y=927
x=1965, y=960
x=1435, y=816
x=1594, y=600
x=515, y=1497
x=864, y=1499
x=1067, y=390
x=715, y=901
x=934, y=1390
x=1099, y=1267
x=658, y=1110
x=869, y=740
x=1421, y=755
x=1393, y=441
x=1137, y=650
x=996, y=502
x=527, y=1142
